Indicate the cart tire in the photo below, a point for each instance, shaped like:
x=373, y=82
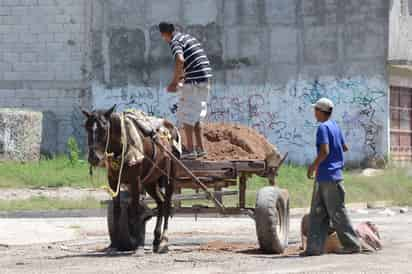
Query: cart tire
x=272, y=220
x=125, y=235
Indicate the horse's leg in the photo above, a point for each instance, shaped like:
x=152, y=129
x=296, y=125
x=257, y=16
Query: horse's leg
x=167, y=209
x=134, y=179
x=114, y=225
x=116, y=216
x=154, y=193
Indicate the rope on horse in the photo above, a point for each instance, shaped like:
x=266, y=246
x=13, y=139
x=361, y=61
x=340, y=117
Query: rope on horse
x=107, y=155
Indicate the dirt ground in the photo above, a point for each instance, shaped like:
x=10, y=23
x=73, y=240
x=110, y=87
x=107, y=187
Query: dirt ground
x=63, y=193
x=210, y=245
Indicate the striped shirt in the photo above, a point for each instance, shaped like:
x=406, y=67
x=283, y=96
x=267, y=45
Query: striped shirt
x=196, y=66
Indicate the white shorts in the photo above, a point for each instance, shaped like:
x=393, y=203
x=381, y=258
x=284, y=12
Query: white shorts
x=192, y=106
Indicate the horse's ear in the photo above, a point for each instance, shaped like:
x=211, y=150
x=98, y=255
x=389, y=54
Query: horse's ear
x=109, y=112
x=86, y=113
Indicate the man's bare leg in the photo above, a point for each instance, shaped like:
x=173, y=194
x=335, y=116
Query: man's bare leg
x=199, y=139
x=189, y=137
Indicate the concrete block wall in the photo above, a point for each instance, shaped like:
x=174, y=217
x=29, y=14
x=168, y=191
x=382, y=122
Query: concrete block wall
x=43, y=63
x=272, y=59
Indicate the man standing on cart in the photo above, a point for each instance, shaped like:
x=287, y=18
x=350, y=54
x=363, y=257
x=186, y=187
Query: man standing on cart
x=192, y=77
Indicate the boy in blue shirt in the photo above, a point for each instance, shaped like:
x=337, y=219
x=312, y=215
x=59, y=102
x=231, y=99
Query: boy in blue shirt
x=328, y=201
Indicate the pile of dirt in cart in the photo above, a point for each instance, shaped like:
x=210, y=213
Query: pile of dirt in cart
x=236, y=142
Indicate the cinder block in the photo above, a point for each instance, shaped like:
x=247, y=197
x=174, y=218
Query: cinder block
x=230, y=12
x=280, y=12
x=19, y=11
x=10, y=3
x=242, y=43
x=55, y=28
x=27, y=37
x=47, y=2
x=11, y=20
x=4, y=66
x=62, y=74
x=365, y=40
x=62, y=37
x=62, y=19
x=39, y=28
x=161, y=12
x=200, y=12
x=13, y=76
x=249, y=12
x=12, y=58
x=45, y=37
x=283, y=45
x=5, y=11
x=11, y=37
x=320, y=45
x=30, y=3
x=38, y=76
x=72, y=28
x=16, y=29
x=28, y=57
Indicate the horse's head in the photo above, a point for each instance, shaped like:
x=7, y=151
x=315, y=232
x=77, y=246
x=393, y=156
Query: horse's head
x=97, y=127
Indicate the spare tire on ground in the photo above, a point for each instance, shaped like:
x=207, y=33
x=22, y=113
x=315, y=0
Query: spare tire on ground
x=272, y=219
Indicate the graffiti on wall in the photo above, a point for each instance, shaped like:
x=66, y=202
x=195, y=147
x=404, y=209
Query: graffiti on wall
x=282, y=113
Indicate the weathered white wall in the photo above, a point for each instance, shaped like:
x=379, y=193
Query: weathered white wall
x=282, y=113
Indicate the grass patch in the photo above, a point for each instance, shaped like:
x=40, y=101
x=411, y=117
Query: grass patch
x=44, y=203
x=393, y=184
x=56, y=172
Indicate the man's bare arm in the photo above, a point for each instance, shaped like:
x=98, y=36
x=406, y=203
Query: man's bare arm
x=323, y=154
x=345, y=148
x=178, y=74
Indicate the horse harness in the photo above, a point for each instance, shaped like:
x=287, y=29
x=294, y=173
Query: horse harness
x=113, y=164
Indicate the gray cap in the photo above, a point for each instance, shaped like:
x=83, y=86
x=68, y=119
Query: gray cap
x=324, y=104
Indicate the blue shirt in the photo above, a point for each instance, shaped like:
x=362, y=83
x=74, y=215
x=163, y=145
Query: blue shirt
x=330, y=170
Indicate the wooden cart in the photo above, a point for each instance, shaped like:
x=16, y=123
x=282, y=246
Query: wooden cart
x=227, y=178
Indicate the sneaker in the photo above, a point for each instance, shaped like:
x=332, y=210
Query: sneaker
x=309, y=254
x=201, y=153
x=189, y=156
x=348, y=251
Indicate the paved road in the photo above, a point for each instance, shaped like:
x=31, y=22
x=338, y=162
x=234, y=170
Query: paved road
x=210, y=245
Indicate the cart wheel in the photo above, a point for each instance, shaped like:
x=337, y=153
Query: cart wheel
x=125, y=234
x=272, y=220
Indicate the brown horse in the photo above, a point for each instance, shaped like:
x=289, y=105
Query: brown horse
x=154, y=174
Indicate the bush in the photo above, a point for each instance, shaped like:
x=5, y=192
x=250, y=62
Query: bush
x=73, y=151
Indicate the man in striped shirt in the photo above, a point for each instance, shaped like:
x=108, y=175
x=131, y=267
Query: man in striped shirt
x=192, y=77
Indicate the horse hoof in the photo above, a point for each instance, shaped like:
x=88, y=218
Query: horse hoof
x=111, y=250
x=139, y=252
x=163, y=248
x=155, y=248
